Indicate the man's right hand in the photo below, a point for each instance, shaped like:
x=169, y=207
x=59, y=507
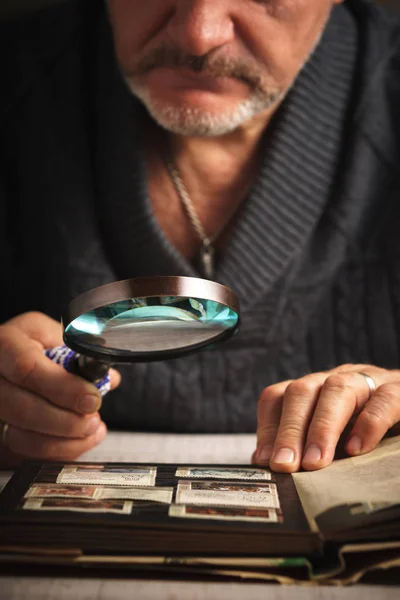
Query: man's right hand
x=51, y=414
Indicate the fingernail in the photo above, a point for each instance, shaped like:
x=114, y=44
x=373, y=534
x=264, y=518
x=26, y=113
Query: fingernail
x=313, y=454
x=284, y=456
x=354, y=444
x=100, y=433
x=89, y=404
x=92, y=425
x=264, y=454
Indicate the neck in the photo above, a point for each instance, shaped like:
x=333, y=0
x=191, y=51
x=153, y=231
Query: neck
x=217, y=174
x=216, y=166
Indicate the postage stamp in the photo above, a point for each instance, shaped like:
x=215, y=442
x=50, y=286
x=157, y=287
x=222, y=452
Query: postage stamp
x=150, y=494
x=52, y=490
x=92, y=492
x=120, y=507
x=228, y=493
x=93, y=467
x=225, y=513
x=224, y=473
x=114, y=476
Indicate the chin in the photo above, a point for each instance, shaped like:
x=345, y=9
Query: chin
x=203, y=115
x=192, y=120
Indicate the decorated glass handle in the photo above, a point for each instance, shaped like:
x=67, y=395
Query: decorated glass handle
x=88, y=368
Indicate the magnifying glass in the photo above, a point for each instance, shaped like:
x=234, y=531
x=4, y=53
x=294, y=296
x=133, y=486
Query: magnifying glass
x=145, y=319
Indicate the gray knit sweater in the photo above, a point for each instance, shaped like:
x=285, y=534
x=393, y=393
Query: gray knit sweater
x=314, y=258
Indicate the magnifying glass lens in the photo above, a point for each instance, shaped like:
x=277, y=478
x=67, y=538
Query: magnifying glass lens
x=133, y=328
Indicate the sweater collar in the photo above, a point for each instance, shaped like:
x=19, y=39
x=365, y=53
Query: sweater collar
x=302, y=150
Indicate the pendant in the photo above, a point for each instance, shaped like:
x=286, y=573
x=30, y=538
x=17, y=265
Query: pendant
x=207, y=260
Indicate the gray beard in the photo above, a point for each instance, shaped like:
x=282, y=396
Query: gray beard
x=195, y=122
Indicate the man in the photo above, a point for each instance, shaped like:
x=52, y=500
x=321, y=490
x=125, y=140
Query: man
x=267, y=128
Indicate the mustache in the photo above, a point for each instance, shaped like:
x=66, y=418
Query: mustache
x=173, y=58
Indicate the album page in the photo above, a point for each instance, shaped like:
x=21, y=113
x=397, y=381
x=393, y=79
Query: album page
x=363, y=484
x=217, y=509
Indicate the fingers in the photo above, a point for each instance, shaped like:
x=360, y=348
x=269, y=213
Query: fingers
x=115, y=378
x=379, y=414
x=49, y=413
x=39, y=327
x=46, y=447
x=26, y=410
x=24, y=364
x=298, y=404
x=300, y=422
x=340, y=397
x=268, y=417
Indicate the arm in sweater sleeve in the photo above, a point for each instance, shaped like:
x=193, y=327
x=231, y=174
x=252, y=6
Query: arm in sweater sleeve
x=7, y=253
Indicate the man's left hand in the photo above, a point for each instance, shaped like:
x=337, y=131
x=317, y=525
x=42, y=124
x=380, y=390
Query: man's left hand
x=300, y=422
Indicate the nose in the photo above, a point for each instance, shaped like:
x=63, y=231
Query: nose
x=199, y=26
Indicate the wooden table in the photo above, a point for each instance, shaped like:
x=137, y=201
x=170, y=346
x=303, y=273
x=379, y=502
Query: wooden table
x=175, y=448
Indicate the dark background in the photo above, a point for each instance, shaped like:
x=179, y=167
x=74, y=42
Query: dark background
x=9, y=8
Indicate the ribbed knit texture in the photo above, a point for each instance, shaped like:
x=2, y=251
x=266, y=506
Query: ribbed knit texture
x=314, y=258
x=292, y=190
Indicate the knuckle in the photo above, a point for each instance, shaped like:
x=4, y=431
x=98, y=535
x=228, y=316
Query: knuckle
x=372, y=423
x=34, y=315
x=322, y=427
x=345, y=367
x=388, y=394
x=269, y=394
x=269, y=407
x=27, y=317
x=302, y=387
x=266, y=431
x=290, y=429
x=338, y=382
x=378, y=413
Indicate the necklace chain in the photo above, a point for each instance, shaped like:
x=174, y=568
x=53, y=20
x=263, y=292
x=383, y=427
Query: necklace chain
x=187, y=202
x=207, y=252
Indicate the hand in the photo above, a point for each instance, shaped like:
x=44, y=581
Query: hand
x=50, y=413
x=300, y=422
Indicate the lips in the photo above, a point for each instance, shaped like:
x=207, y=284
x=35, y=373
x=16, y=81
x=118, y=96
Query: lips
x=187, y=79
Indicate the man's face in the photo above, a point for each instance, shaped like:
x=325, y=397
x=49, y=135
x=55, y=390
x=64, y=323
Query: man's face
x=204, y=67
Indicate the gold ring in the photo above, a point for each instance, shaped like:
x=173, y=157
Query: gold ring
x=3, y=432
x=370, y=383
